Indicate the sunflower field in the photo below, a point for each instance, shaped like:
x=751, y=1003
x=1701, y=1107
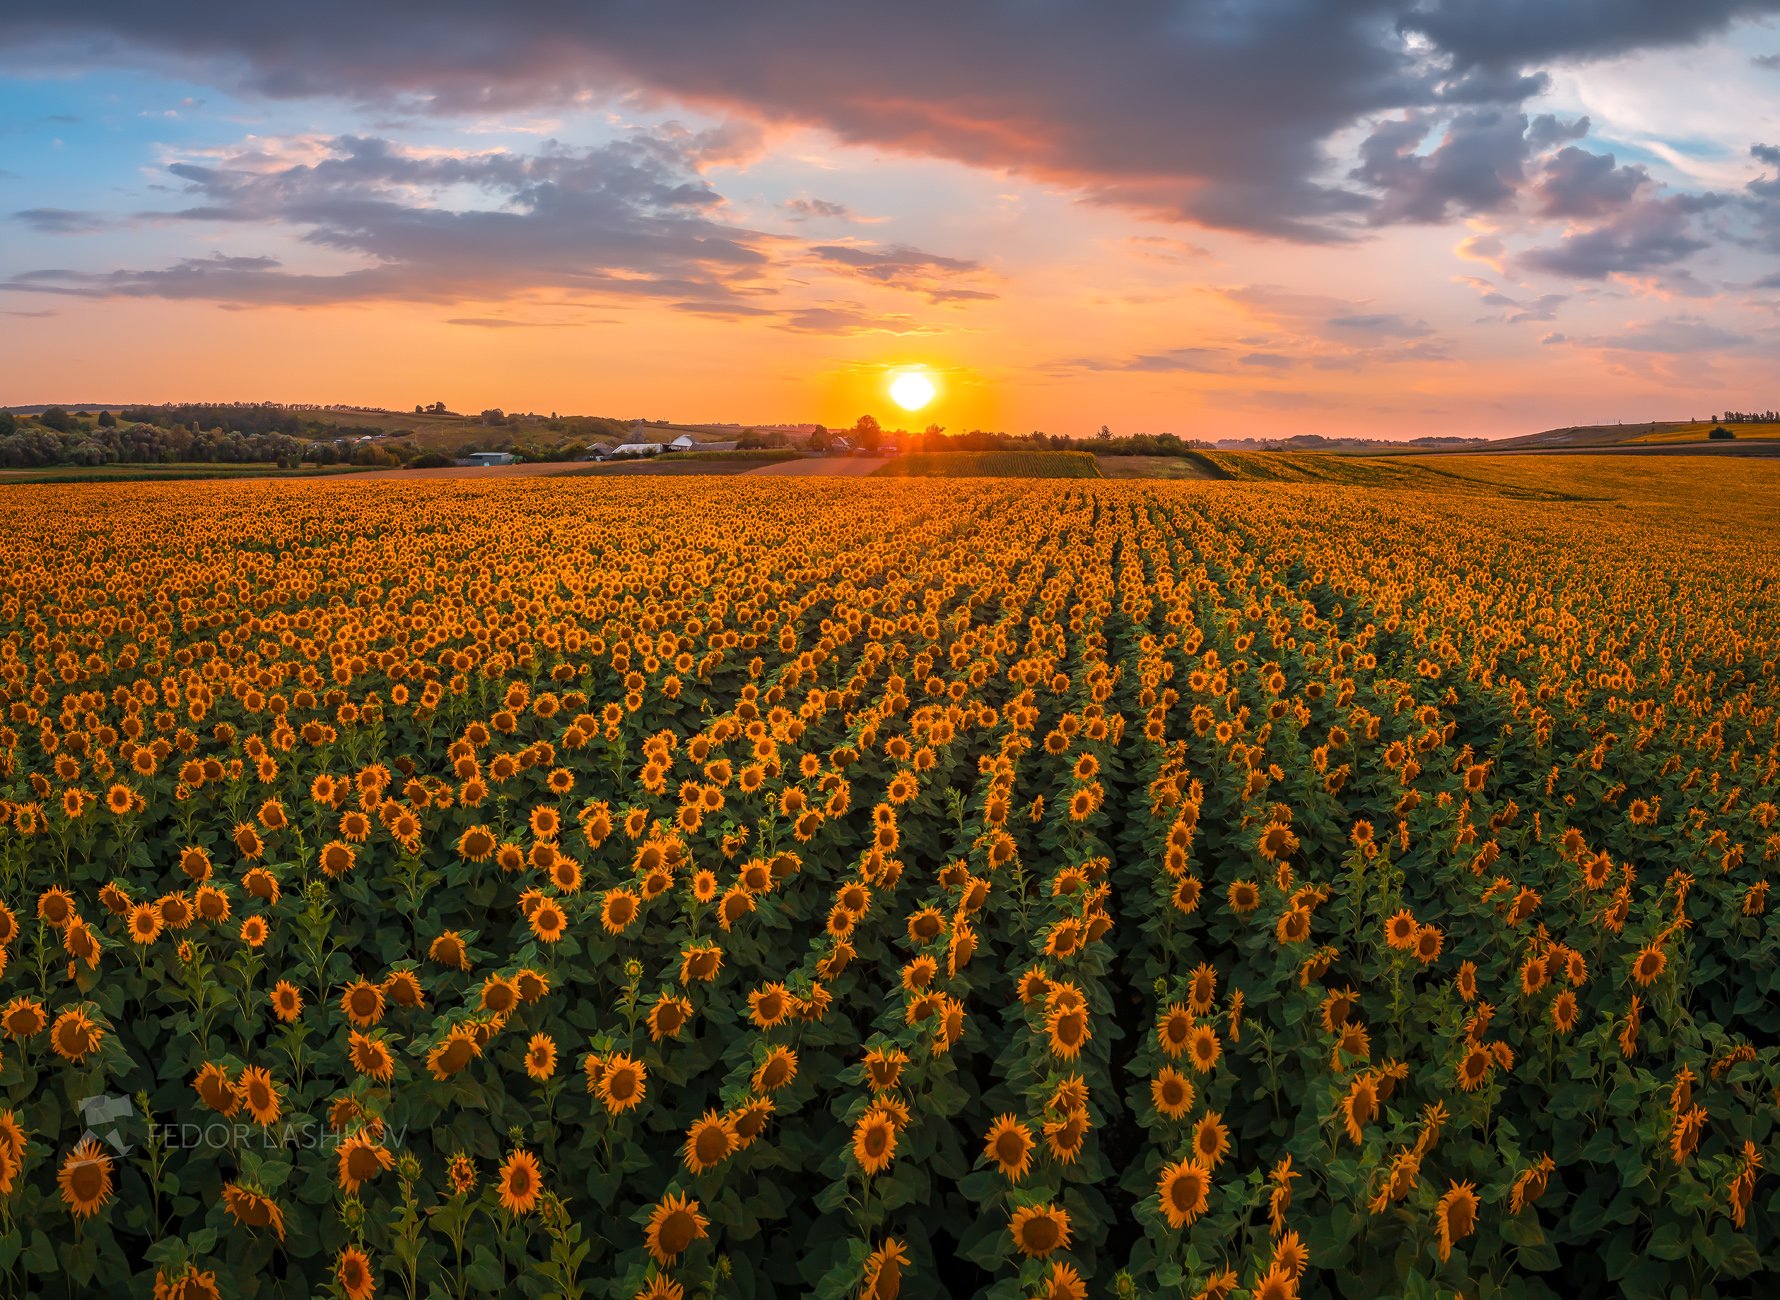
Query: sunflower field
x=735, y=888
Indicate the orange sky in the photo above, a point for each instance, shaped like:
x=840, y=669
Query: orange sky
x=673, y=240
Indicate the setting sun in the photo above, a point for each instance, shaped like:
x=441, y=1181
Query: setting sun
x=912, y=390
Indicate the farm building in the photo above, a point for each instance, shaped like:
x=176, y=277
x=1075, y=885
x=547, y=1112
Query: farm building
x=489, y=458
x=636, y=449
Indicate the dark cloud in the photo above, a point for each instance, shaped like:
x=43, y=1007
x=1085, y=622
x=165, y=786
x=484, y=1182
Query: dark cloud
x=1185, y=360
x=1378, y=325
x=849, y=318
x=808, y=209
x=60, y=221
x=1477, y=167
x=1577, y=183
x=1547, y=131
x=1509, y=33
x=938, y=279
x=1647, y=234
x=632, y=219
x=1767, y=61
x=1110, y=99
x=1515, y=311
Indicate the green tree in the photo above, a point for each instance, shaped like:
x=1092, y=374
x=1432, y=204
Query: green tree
x=867, y=432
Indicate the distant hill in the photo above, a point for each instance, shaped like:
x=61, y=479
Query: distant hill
x=1317, y=442
x=1654, y=431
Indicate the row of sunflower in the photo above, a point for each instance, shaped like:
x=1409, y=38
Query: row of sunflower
x=746, y=889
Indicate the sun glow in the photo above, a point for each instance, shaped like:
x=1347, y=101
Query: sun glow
x=912, y=390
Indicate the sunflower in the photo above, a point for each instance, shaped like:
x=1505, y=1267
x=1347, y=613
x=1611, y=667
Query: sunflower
x=352, y=1270
x=1184, y=1190
x=883, y=1068
x=700, y=963
x=1068, y=1031
x=1466, y=981
x=12, y=1151
x=404, y=989
x=461, y=1170
x=1564, y=1012
x=259, y=1094
x=363, y=1003
x=448, y=950
x=1277, y=1283
x=520, y=1183
x=1171, y=1093
x=1244, y=896
x=1211, y=1139
x=540, y=1057
x=1203, y=992
x=1456, y=1216
x=337, y=858
x=709, y=1142
x=1649, y=963
x=1360, y=1107
x=85, y=1178
x=371, y=1057
x=476, y=844
x=23, y=1018
x=1064, y=1137
x=623, y=1083
x=874, y=1141
x=1204, y=1049
x=1474, y=1067
x=1428, y=942
x=1037, y=1230
x=777, y=1069
x=548, y=922
x=360, y=1160
x=1291, y=1255
x=1174, y=1031
x=145, y=924
x=668, y=1016
x=674, y=1224
x=883, y=1271
x=750, y=1120
x=73, y=1036
x=254, y=931
x=1529, y=1184
x=216, y=1089
x=1009, y=1146
x=54, y=908
x=499, y=995
x=1401, y=929
x=253, y=1209
x=195, y=862
x=455, y=1051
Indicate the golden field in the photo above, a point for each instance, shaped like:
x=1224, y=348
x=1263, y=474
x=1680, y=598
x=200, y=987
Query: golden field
x=748, y=887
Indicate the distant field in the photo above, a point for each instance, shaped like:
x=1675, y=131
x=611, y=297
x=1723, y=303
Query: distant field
x=1699, y=430
x=992, y=464
x=681, y=465
x=1172, y=467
